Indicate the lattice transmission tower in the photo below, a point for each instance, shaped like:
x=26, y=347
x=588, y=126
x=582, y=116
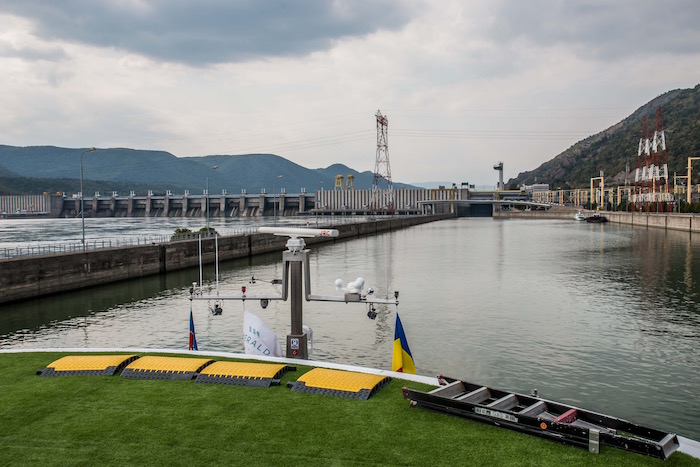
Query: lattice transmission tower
x=382, y=189
x=641, y=197
x=661, y=189
x=651, y=182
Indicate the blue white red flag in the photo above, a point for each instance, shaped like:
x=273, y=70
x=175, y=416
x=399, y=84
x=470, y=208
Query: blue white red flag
x=193, y=338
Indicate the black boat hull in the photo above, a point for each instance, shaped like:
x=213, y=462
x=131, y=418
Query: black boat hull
x=596, y=219
x=558, y=422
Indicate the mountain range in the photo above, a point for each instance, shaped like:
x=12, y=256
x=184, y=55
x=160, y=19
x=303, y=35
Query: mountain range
x=37, y=169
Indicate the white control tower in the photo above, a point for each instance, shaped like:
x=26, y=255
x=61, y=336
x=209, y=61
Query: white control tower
x=499, y=167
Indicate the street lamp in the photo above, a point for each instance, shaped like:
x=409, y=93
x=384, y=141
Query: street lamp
x=274, y=197
x=690, y=170
x=214, y=167
x=321, y=203
x=82, y=195
x=602, y=192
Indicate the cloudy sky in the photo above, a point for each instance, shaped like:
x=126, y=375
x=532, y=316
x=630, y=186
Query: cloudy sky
x=464, y=84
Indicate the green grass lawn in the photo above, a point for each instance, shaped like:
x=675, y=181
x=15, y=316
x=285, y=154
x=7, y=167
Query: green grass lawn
x=96, y=420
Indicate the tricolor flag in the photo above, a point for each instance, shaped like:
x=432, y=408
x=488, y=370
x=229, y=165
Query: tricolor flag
x=193, y=339
x=402, y=360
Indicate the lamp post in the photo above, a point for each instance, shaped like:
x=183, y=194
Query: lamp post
x=275, y=197
x=322, y=205
x=82, y=195
x=602, y=192
x=690, y=170
x=214, y=167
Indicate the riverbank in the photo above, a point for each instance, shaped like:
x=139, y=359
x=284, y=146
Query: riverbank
x=115, y=421
x=35, y=276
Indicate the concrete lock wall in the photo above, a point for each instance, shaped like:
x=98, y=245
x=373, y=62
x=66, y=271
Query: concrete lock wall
x=670, y=221
x=34, y=276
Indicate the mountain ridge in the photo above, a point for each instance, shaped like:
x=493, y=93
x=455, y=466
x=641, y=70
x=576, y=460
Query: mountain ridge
x=52, y=168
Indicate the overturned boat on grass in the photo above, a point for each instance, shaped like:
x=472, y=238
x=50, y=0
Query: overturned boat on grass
x=540, y=417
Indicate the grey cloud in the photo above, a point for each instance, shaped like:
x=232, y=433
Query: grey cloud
x=51, y=54
x=602, y=29
x=210, y=31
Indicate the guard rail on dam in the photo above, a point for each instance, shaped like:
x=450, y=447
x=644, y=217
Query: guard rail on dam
x=29, y=277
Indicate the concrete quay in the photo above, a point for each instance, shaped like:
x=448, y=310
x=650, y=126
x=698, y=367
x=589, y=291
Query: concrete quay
x=662, y=220
x=29, y=277
x=669, y=221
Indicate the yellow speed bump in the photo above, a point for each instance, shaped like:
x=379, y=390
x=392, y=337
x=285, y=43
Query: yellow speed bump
x=339, y=383
x=101, y=365
x=243, y=373
x=152, y=367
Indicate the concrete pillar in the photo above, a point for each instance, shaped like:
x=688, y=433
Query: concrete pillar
x=261, y=211
x=55, y=205
x=242, y=205
x=185, y=205
x=166, y=205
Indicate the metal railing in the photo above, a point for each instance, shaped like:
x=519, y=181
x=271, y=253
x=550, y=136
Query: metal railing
x=76, y=247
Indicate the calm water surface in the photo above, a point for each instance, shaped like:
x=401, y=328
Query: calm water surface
x=601, y=316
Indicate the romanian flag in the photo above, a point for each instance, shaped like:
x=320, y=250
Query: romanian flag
x=193, y=339
x=402, y=360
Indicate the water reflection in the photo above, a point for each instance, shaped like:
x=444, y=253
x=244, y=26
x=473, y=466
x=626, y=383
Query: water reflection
x=605, y=317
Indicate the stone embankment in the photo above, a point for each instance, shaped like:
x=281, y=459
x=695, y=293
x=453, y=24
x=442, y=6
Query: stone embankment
x=663, y=220
x=34, y=276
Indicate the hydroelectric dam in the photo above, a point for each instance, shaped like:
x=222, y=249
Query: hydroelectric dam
x=459, y=201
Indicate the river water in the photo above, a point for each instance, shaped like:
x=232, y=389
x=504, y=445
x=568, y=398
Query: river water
x=606, y=317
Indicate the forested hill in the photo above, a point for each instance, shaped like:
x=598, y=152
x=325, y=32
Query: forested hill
x=37, y=169
x=611, y=149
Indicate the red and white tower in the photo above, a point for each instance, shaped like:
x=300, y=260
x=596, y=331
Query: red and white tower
x=382, y=189
x=651, y=185
x=662, y=197
x=641, y=198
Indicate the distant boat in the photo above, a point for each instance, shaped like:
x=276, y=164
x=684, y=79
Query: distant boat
x=596, y=219
x=22, y=213
x=579, y=216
